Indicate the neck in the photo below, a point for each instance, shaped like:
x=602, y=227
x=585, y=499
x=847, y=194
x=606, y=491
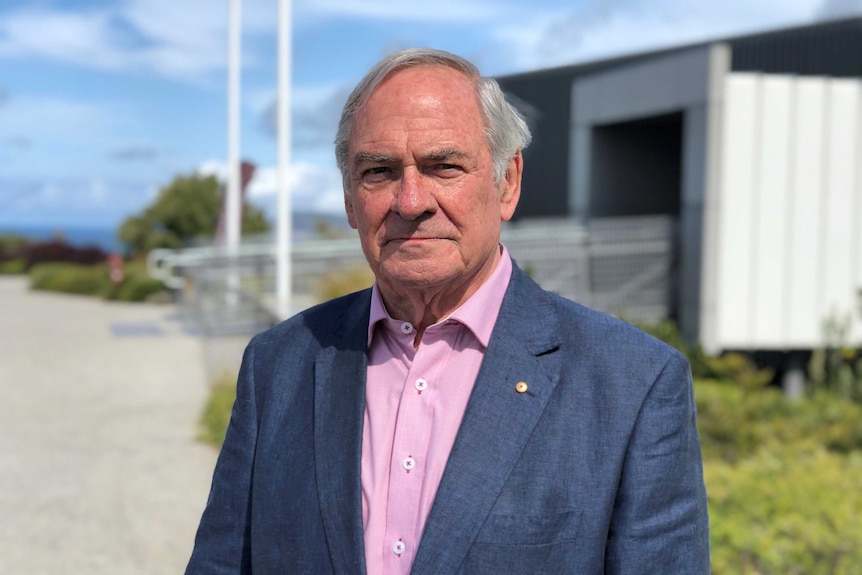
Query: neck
x=426, y=305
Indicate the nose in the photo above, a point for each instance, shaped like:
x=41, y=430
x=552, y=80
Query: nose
x=414, y=196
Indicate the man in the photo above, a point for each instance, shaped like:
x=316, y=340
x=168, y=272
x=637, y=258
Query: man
x=455, y=418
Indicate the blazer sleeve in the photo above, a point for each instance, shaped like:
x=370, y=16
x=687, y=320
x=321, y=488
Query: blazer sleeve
x=660, y=522
x=222, y=543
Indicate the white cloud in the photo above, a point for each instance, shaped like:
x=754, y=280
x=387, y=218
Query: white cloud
x=314, y=188
x=79, y=38
x=184, y=40
x=438, y=11
x=597, y=29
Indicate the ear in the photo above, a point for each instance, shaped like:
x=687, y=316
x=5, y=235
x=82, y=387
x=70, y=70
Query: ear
x=348, y=207
x=510, y=187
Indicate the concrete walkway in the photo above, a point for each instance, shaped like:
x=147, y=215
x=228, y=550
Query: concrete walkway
x=100, y=472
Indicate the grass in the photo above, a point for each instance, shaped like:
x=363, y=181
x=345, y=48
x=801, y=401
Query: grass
x=216, y=414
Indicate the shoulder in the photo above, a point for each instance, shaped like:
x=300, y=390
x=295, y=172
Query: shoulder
x=321, y=325
x=590, y=333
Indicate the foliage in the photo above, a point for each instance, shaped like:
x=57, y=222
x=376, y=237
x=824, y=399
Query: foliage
x=12, y=248
x=736, y=421
x=216, y=415
x=782, y=478
x=788, y=510
x=69, y=278
x=94, y=281
x=12, y=241
x=137, y=285
x=838, y=366
x=19, y=254
x=13, y=266
x=343, y=282
x=184, y=210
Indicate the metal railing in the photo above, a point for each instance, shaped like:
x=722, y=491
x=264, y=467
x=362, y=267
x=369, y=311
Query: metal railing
x=624, y=266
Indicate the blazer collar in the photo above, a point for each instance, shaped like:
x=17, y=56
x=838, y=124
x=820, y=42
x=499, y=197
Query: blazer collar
x=497, y=424
x=339, y=407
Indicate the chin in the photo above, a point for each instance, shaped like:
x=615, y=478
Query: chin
x=417, y=275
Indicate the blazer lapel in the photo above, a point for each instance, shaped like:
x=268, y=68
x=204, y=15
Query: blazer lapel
x=339, y=406
x=496, y=426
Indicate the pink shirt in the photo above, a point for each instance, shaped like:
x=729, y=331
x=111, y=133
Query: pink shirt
x=415, y=401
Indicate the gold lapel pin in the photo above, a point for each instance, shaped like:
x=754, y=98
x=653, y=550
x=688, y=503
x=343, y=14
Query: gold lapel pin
x=521, y=387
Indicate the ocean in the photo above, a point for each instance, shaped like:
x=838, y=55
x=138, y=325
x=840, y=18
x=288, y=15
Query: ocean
x=305, y=226
x=102, y=237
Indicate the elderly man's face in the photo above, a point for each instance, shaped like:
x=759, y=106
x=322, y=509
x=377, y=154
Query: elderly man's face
x=422, y=191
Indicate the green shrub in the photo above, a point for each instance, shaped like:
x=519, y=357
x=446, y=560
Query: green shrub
x=788, y=510
x=13, y=267
x=735, y=421
x=137, y=285
x=216, y=415
x=69, y=278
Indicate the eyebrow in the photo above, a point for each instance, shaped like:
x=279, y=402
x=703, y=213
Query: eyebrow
x=445, y=154
x=372, y=158
x=434, y=156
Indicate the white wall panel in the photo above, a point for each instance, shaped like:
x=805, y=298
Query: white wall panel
x=837, y=277
x=771, y=199
x=804, y=230
x=736, y=211
x=790, y=210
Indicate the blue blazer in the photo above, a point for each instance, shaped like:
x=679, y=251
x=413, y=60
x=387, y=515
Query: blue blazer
x=596, y=469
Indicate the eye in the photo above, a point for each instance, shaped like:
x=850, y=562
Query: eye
x=447, y=170
x=377, y=175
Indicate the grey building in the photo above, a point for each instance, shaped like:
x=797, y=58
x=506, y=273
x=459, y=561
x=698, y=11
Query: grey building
x=662, y=133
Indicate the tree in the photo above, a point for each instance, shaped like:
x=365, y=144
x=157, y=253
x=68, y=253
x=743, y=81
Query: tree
x=186, y=209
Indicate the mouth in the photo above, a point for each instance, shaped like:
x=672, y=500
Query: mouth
x=414, y=240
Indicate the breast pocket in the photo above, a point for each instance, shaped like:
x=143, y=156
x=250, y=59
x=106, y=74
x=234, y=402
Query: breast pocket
x=516, y=544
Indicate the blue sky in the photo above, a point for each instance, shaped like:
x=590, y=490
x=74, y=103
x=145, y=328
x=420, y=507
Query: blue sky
x=104, y=102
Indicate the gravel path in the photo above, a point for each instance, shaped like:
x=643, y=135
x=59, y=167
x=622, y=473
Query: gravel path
x=99, y=468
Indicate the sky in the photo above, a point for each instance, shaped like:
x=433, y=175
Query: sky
x=104, y=102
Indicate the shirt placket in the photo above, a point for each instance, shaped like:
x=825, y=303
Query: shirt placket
x=413, y=429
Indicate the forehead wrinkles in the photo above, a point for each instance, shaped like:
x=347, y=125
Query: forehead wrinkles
x=418, y=104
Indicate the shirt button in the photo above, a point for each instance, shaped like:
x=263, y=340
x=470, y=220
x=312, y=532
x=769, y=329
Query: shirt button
x=399, y=547
x=408, y=463
x=406, y=328
x=421, y=384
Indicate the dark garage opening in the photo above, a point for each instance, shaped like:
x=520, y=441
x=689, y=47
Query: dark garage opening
x=637, y=167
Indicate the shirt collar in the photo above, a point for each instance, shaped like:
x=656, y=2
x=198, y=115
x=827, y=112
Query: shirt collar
x=478, y=313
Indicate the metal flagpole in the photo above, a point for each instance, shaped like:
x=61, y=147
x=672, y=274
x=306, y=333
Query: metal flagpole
x=285, y=212
x=233, y=211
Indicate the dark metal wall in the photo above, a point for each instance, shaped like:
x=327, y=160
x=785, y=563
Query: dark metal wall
x=825, y=49
x=546, y=104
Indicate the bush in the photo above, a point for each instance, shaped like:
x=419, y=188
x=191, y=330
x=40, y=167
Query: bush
x=137, y=285
x=13, y=267
x=786, y=511
x=59, y=251
x=94, y=281
x=735, y=422
x=216, y=415
x=70, y=278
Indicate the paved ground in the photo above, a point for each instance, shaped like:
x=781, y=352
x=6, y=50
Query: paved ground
x=99, y=469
